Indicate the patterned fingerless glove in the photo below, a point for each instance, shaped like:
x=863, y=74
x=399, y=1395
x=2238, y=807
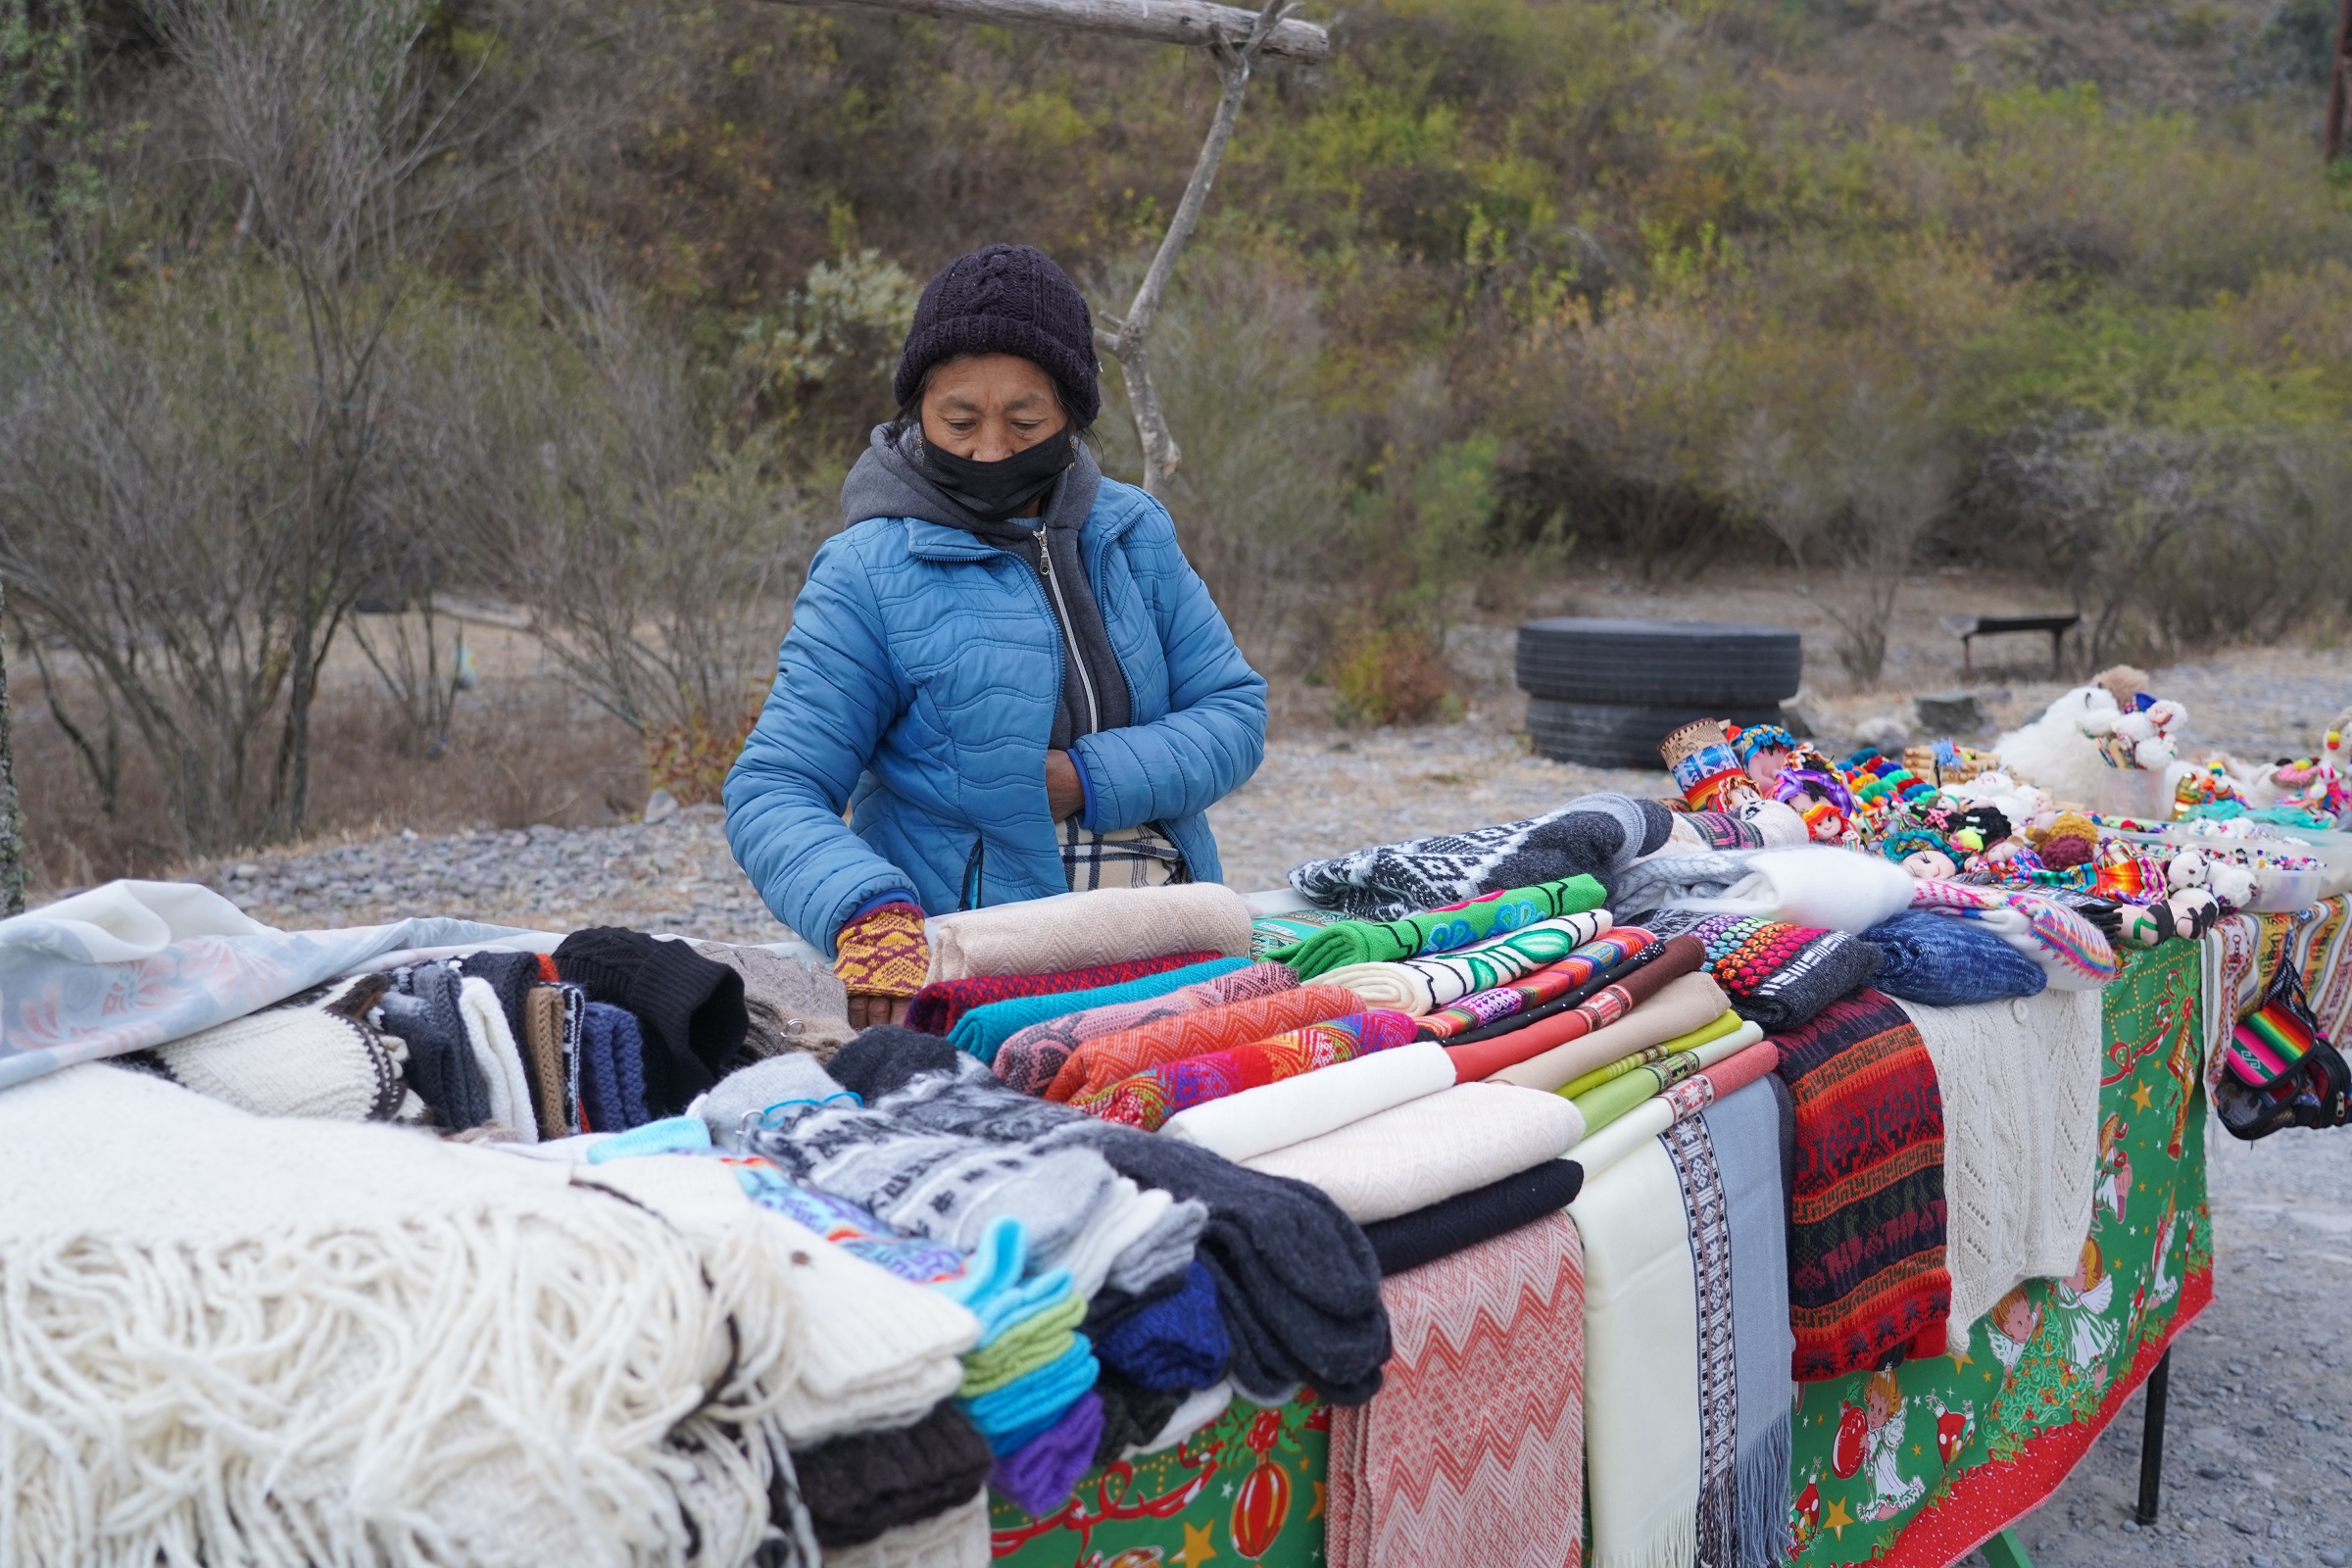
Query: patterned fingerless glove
x=882, y=952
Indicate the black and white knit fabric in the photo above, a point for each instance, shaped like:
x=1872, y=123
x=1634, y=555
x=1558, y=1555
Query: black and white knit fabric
x=1596, y=836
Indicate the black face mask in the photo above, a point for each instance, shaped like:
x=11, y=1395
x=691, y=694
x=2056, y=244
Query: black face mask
x=995, y=491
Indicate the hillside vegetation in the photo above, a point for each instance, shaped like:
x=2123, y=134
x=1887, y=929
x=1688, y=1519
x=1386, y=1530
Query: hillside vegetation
x=584, y=307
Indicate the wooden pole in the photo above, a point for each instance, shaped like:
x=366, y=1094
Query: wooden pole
x=1196, y=22
x=2337, y=134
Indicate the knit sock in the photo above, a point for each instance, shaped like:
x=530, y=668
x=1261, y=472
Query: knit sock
x=1132, y=1414
x=1174, y=1344
x=690, y=1010
x=861, y=1483
x=1020, y=1349
x=1198, y=1411
x=425, y=1015
x=599, y=1079
x=1010, y=1416
x=624, y=1047
x=883, y=953
x=1040, y=1473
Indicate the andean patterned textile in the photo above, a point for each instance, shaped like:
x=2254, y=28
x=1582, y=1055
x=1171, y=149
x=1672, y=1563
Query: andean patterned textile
x=1620, y=973
x=2241, y=954
x=1605, y=1103
x=983, y=1031
x=2075, y=954
x=1029, y=1060
x=1586, y=963
x=1102, y=1061
x=1147, y=1100
x=882, y=952
x=1473, y=1451
x=1431, y=981
x=1780, y=975
x=1482, y=1054
x=1270, y=933
x=1730, y=1023
x=1438, y=930
x=937, y=1006
x=1867, y=1277
x=1743, y=1131
x=1596, y=836
x=1707, y=1221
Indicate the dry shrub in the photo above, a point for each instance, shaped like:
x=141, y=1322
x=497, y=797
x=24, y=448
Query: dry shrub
x=690, y=759
x=1388, y=675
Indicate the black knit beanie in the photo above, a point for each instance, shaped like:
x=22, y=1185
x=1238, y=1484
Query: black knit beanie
x=1005, y=299
x=689, y=1007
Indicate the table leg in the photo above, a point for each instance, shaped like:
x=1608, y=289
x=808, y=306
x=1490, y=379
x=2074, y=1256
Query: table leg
x=2005, y=1552
x=1967, y=650
x=2057, y=653
x=2151, y=1440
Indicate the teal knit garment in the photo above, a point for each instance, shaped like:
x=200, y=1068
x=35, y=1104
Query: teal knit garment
x=1024, y=1407
x=981, y=1030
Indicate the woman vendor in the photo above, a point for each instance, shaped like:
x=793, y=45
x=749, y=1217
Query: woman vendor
x=1003, y=668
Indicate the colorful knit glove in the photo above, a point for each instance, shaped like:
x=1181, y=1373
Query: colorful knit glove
x=882, y=952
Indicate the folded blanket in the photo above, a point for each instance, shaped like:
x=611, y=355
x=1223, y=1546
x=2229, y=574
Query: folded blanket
x=1483, y=1053
x=1743, y=1127
x=1029, y=1058
x=1296, y=1282
x=1429, y=1148
x=1439, y=930
x=1813, y=884
x=2019, y=1083
x=1099, y=1062
x=939, y=1006
x=858, y=1484
x=1867, y=1278
x=1147, y=1100
x=1620, y=1138
x=1532, y=989
x=1424, y=984
x=1562, y=1050
x=1780, y=975
x=1453, y=1224
x=1272, y=1116
x=1079, y=930
x=2075, y=954
x=1605, y=1103
x=1728, y=1024
x=1681, y=961
x=1474, y=1450
x=1950, y=963
x=983, y=1029
x=1596, y=835
x=219, y=1325
x=1642, y=1437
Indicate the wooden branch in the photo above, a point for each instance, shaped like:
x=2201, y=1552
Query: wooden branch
x=1196, y=22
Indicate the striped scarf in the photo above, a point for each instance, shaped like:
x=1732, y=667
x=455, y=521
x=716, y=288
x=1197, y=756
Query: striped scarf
x=1533, y=990
x=1148, y=1098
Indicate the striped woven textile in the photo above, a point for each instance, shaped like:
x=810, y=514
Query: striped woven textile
x=1867, y=1278
x=1473, y=1451
x=1099, y=1062
x=1533, y=989
x=1148, y=1098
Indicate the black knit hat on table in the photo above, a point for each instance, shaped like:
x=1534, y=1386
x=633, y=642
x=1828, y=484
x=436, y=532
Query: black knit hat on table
x=1005, y=299
x=689, y=1009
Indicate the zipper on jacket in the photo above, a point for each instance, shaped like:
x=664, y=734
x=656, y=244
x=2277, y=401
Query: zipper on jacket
x=1086, y=682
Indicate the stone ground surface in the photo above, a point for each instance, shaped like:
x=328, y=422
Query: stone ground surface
x=2258, y=1464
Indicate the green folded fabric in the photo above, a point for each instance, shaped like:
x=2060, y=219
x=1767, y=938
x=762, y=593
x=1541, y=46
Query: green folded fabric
x=1438, y=930
x=1034, y=1342
x=1641, y=1059
x=1613, y=1099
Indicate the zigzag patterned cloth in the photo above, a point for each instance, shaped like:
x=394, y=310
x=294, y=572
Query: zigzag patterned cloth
x=1533, y=989
x=1099, y=1062
x=1029, y=1060
x=1596, y=836
x=1440, y=930
x=1148, y=1098
x=1867, y=1278
x=1424, y=984
x=1473, y=1449
x=1779, y=975
x=937, y=1007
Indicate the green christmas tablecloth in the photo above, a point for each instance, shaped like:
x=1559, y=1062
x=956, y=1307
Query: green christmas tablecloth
x=1915, y=1466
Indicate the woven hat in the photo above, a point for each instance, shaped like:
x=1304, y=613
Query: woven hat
x=689, y=1009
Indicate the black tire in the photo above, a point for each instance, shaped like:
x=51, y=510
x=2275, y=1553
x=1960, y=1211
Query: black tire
x=1576, y=660
x=1622, y=734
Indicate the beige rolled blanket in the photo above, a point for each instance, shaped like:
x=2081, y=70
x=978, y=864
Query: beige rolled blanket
x=1680, y=1006
x=1430, y=1149
x=1079, y=930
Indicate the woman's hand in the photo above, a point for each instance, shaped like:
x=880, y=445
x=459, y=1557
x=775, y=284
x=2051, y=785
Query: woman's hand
x=1065, y=797
x=865, y=1011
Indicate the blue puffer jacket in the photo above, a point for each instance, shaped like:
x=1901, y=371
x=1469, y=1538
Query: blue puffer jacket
x=917, y=689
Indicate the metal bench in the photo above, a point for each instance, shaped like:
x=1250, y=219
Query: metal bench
x=1968, y=628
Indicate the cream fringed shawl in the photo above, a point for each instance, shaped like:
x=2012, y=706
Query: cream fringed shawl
x=2020, y=1080
x=248, y=1339
x=1079, y=930
x=1641, y=1426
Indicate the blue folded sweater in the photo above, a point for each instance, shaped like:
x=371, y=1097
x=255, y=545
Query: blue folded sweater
x=1943, y=962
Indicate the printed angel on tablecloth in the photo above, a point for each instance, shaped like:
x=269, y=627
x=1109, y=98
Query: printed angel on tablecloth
x=2081, y=1302
x=1882, y=1422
